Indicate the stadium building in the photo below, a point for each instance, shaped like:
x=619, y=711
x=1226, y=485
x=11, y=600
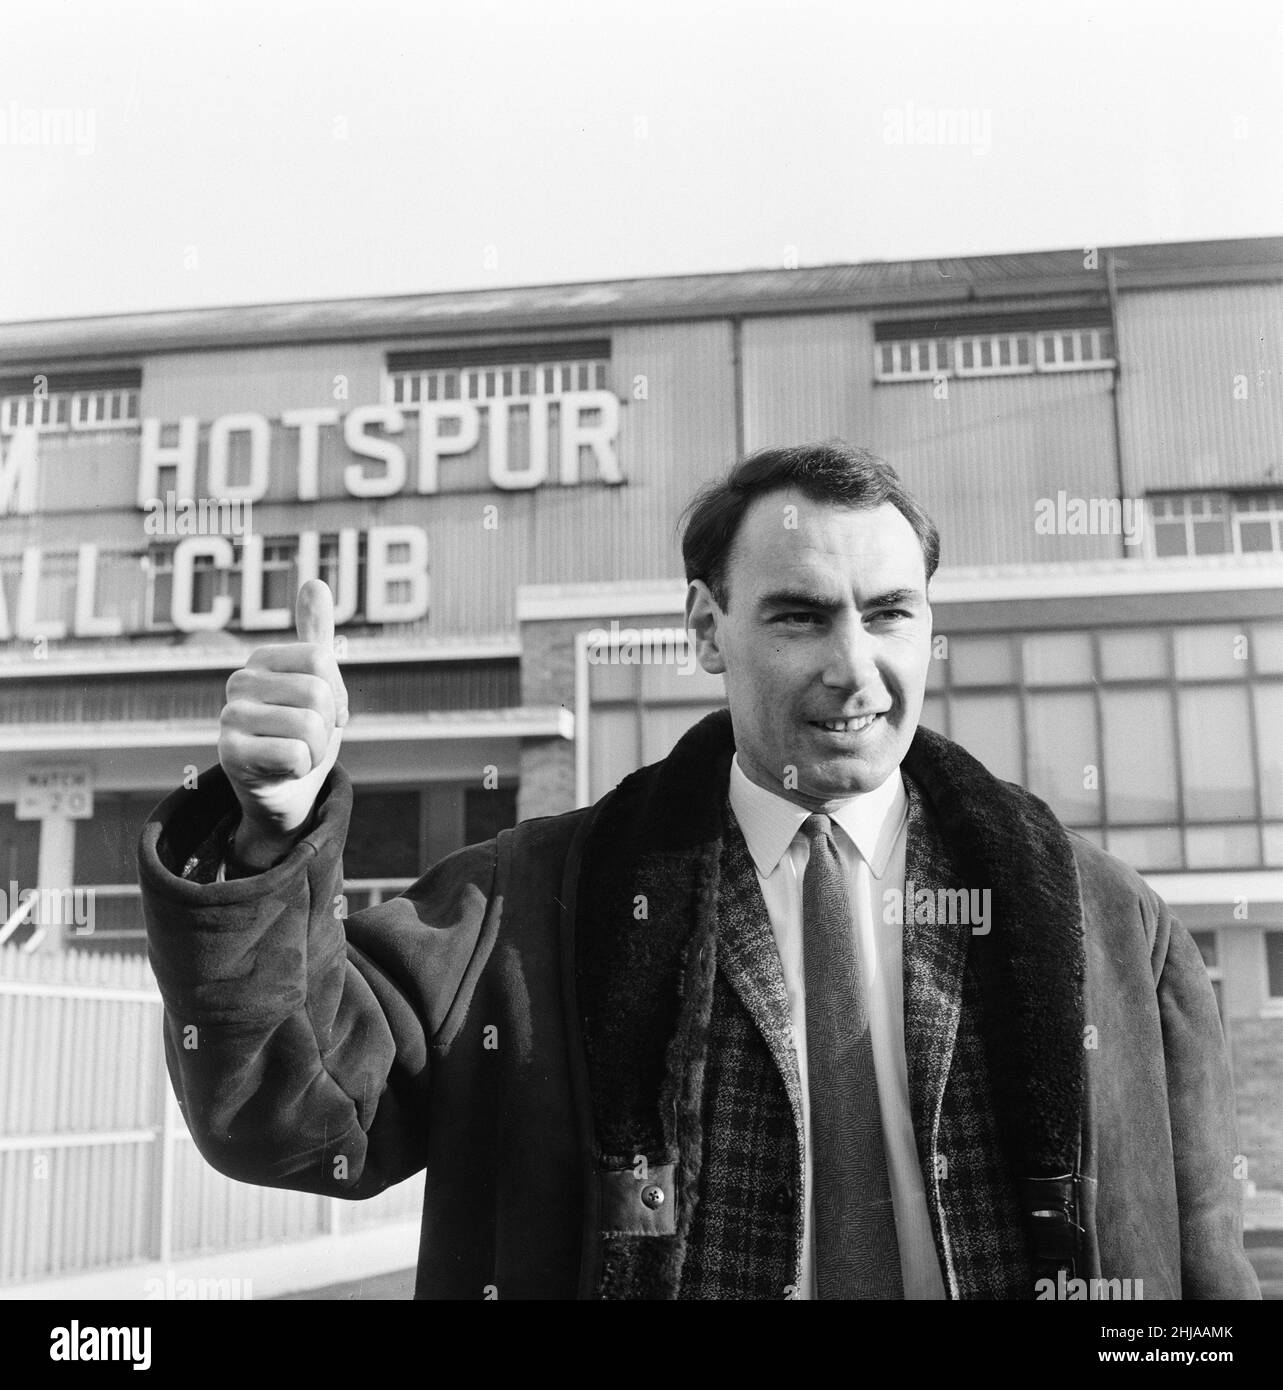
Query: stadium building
x=490, y=481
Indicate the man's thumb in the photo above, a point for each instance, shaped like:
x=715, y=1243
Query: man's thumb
x=314, y=614
x=314, y=619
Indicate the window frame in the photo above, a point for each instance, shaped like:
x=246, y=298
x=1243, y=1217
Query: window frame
x=1271, y=1003
x=949, y=348
x=944, y=689
x=409, y=389
x=81, y=411
x=1233, y=516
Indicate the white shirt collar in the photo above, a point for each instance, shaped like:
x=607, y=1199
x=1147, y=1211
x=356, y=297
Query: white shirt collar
x=770, y=822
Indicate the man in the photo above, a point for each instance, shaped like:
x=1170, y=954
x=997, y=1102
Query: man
x=689, y=1042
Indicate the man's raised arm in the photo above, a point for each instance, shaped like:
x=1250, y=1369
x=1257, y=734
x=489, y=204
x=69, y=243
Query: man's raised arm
x=298, y=1047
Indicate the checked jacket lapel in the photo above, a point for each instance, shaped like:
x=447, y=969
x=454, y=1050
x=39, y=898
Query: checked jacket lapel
x=993, y=1024
x=934, y=962
x=750, y=960
x=976, y=1222
x=935, y=957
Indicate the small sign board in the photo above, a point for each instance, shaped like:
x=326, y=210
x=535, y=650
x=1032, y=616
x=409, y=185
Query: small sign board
x=56, y=789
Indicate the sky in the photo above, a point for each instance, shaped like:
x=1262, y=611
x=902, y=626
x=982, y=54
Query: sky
x=168, y=154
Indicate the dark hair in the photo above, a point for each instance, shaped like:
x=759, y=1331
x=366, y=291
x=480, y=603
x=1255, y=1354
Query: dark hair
x=834, y=472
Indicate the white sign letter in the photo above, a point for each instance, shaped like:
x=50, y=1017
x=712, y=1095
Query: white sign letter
x=254, y=617
x=259, y=444
x=27, y=624
x=219, y=549
x=600, y=438
x=388, y=417
x=153, y=457
x=308, y=423
x=396, y=589
x=18, y=473
x=433, y=444
x=86, y=623
x=500, y=474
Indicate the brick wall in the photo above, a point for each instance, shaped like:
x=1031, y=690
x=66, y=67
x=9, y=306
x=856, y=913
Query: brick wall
x=1257, y=1051
x=547, y=778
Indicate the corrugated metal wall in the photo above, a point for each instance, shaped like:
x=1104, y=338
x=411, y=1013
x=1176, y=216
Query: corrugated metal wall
x=982, y=459
x=808, y=377
x=979, y=459
x=268, y=380
x=87, y=1131
x=1188, y=421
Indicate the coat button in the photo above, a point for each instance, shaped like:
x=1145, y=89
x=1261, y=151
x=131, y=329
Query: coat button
x=652, y=1196
x=783, y=1197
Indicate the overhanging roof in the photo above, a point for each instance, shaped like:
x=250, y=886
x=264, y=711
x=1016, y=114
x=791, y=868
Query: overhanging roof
x=867, y=284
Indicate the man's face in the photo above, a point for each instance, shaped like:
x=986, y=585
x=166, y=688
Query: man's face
x=824, y=645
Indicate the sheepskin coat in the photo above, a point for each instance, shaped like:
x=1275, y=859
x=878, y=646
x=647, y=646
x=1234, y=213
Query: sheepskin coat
x=578, y=1032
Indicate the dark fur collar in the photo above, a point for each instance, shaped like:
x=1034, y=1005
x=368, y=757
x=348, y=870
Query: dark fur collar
x=646, y=935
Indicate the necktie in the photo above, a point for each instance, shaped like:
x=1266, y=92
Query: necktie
x=857, y=1254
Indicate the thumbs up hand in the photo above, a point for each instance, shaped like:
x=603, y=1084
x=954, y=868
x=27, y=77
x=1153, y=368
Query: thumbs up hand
x=281, y=728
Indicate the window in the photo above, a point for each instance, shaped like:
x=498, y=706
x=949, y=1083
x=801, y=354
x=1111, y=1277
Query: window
x=914, y=360
x=106, y=862
x=988, y=727
x=1063, y=751
x=1075, y=350
x=1217, y=523
x=981, y=661
x=986, y=347
x=1207, y=948
x=1274, y=963
x=993, y=355
x=42, y=412
x=398, y=832
x=1131, y=655
x=1269, y=737
x=104, y=410
x=643, y=695
x=1210, y=652
x=1165, y=742
x=1058, y=658
x=510, y=374
x=1217, y=767
x=19, y=849
x=86, y=401
x=1139, y=748
x=280, y=585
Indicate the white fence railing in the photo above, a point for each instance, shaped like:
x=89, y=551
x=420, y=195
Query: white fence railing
x=97, y=1169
